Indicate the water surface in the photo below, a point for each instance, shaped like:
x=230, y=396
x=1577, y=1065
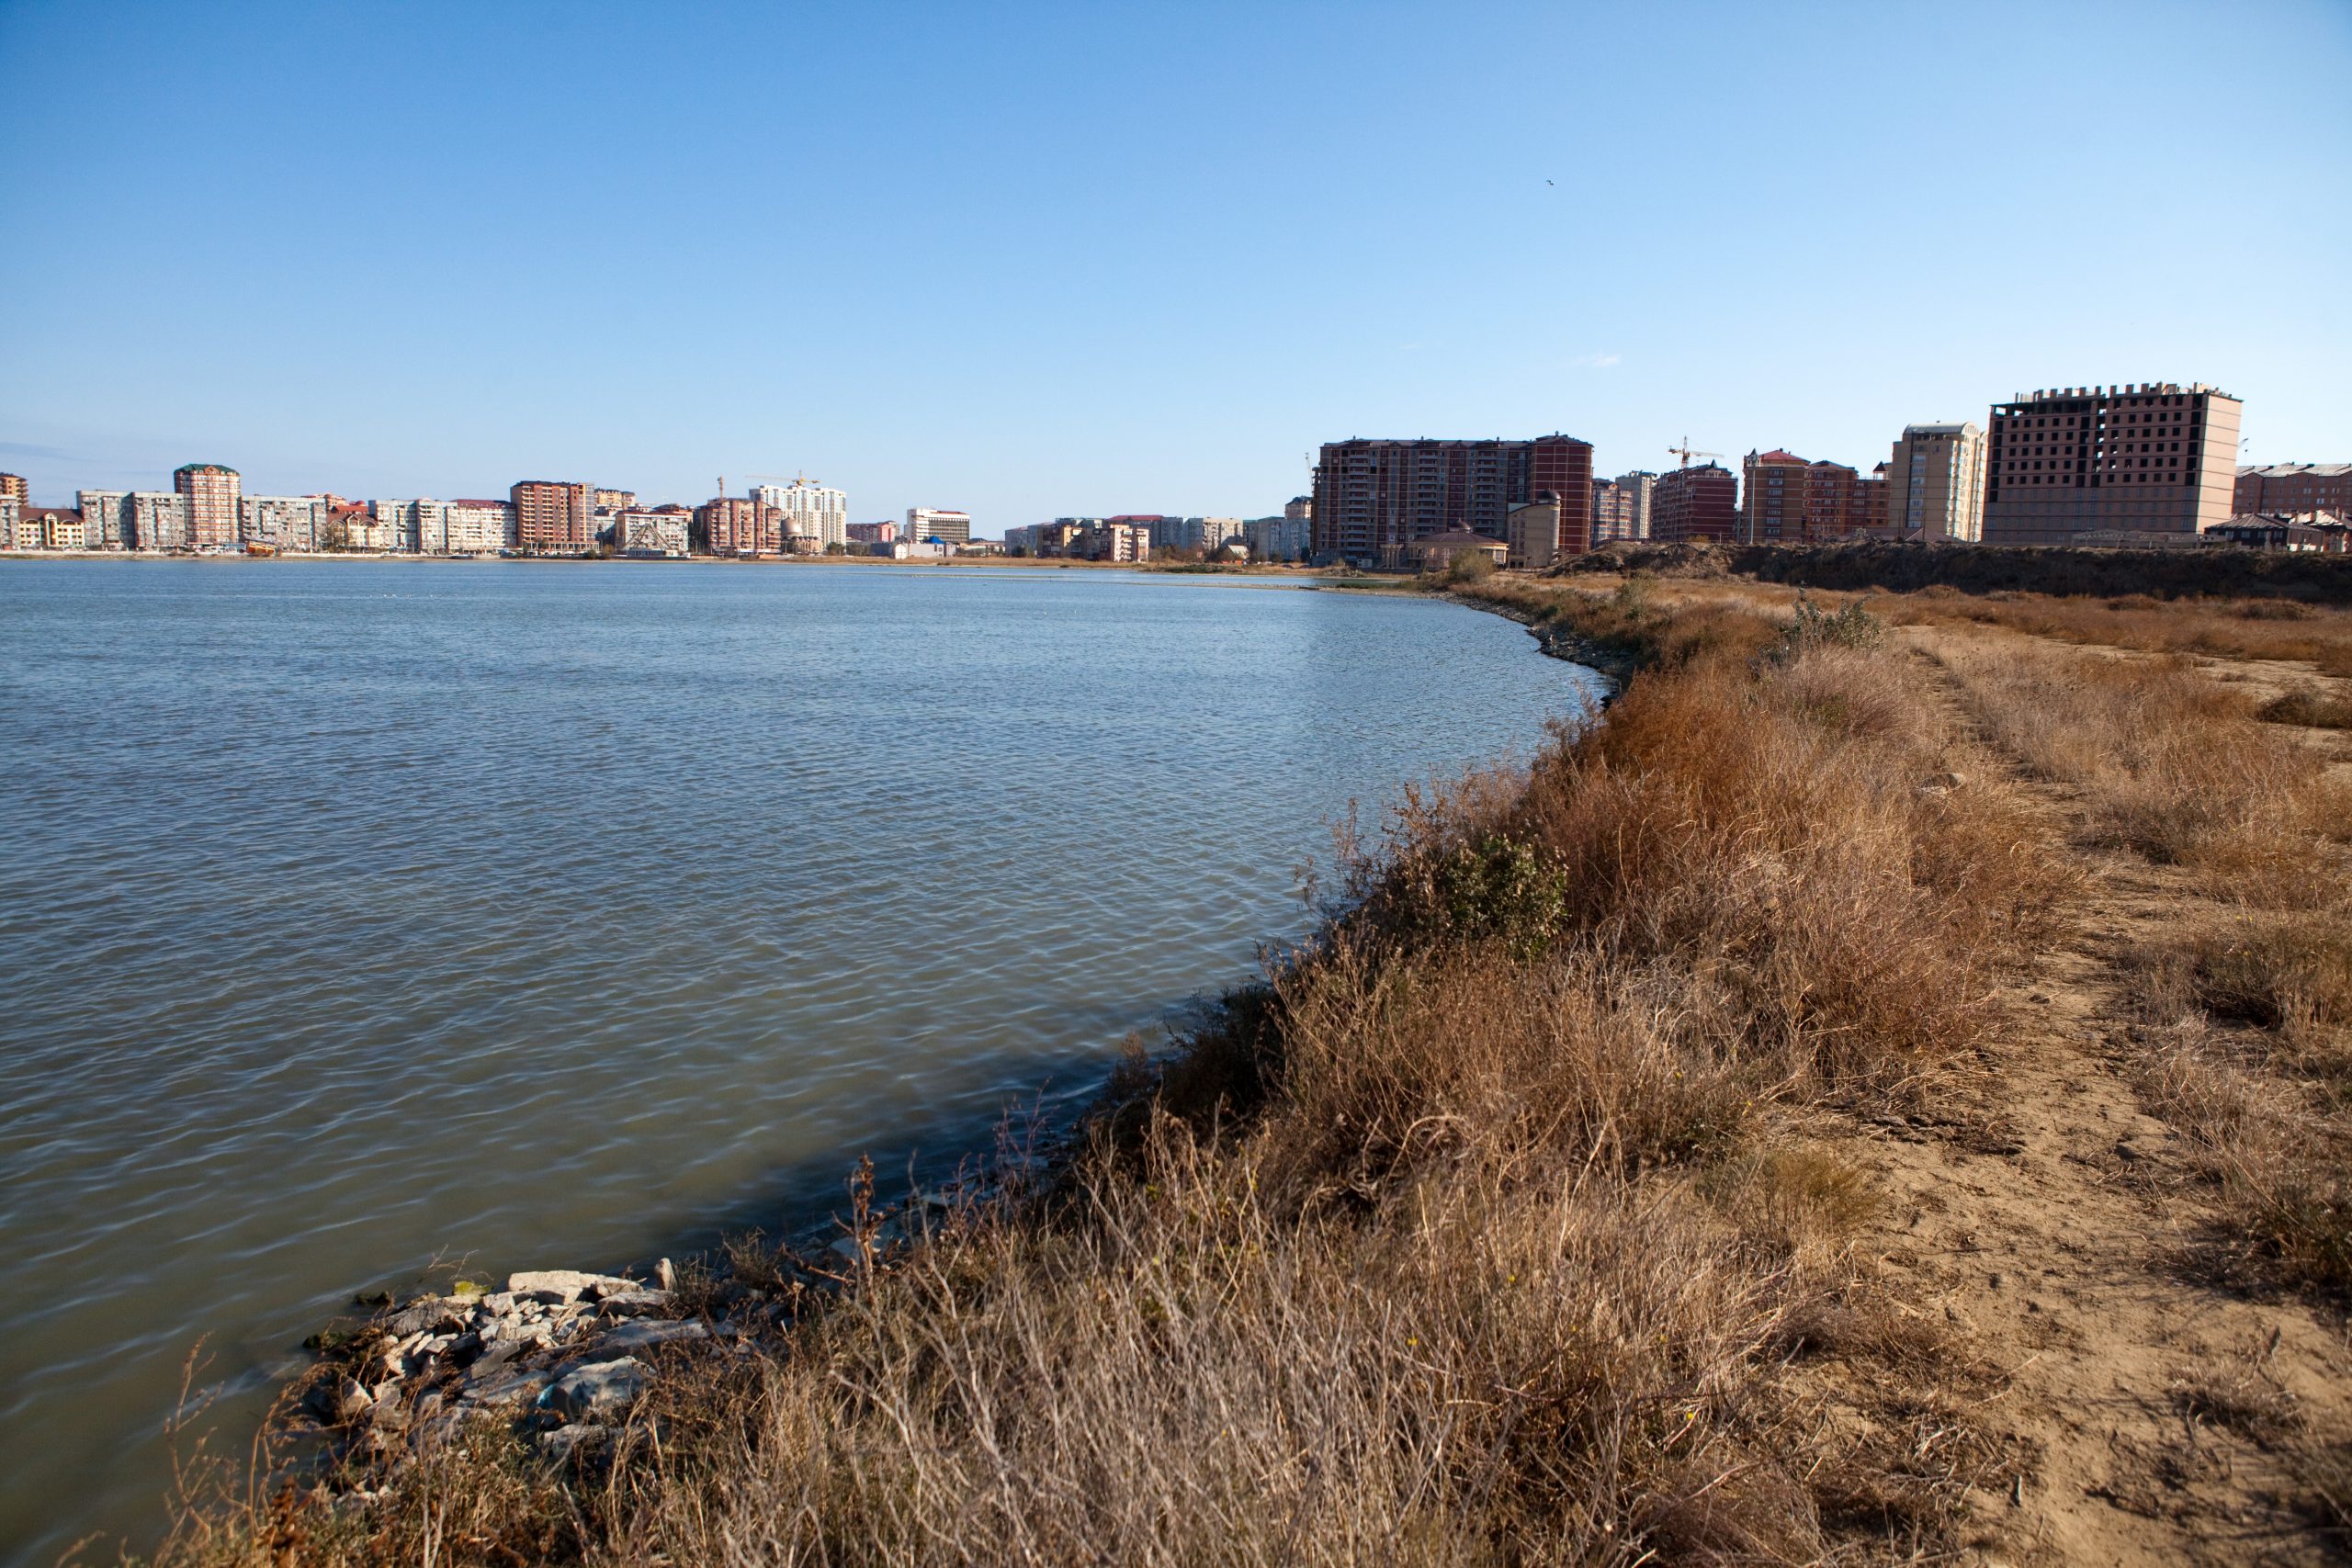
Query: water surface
x=358, y=916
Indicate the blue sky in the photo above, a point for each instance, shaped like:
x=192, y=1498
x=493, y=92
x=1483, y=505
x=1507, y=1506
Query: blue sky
x=1032, y=259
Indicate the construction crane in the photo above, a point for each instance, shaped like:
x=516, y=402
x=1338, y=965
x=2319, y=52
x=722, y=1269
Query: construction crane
x=779, y=480
x=1686, y=452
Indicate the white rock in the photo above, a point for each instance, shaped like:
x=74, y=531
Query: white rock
x=604, y=1388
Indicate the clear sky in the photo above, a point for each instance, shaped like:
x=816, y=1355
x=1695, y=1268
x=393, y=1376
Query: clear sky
x=1034, y=259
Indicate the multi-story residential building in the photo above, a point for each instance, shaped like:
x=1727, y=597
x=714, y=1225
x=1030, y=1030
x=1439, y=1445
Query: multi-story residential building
x=1772, y=491
x=1638, y=487
x=551, y=516
x=871, y=533
x=12, y=488
x=1284, y=538
x=2146, y=458
x=659, y=531
x=1209, y=535
x=738, y=525
x=2294, y=490
x=1300, y=509
x=483, y=526
x=157, y=521
x=212, y=494
x=1839, y=502
x=1935, y=484
x=1612, y=513
x=613, y=500
x=106, y=519
x=1532, y=534
x=928, y=523
x=1113, y=539
x=424, y=520
x=1870, y=500
x=59, y=527
x=281, y=522
x=1373, y=498
x=810, y=510
x=1701, y=502
x=18, y=529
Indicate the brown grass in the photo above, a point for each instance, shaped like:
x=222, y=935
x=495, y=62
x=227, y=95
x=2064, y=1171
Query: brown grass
x=2222, y=628
x=1480, y=1231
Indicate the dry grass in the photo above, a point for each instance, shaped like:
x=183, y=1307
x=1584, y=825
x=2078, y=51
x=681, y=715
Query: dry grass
x=1478, y=1233
x=2220, y=628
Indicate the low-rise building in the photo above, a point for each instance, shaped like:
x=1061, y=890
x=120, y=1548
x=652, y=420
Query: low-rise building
x=871, y=533
x=948, y=527
x=58, y=527
x=2294, y=490
x=1435, y=552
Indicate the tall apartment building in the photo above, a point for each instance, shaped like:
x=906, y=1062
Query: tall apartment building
x=1701, y=502
x=937, y=523
x=740, y=526
x=1787, y=499
x=20, y=530
x=1935, y=484
x=2151, y=457
x=613, y=500
x=810, y=510
x=2290, y=490
x=551, y=516
x=1870, y=500
x=1639, y=489
x=12, y=487
x=1612, y=514
x=211, y=492
x=1299, y=509
x=1373, y=498
x=106, y=519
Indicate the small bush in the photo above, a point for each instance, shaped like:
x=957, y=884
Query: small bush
x=1850, y=627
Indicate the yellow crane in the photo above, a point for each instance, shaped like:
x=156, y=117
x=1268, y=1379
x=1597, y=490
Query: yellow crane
x=1686, y=452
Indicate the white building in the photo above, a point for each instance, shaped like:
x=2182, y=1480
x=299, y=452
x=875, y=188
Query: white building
x=1639, y=487
x=1279, y=538
x=105, y=514
x=1935, y=484
x=482, y=527
x=286, y=522
x=659, y=531
x=811, y=511
x=937, y=523
x=17, y=531
x=157, y=520
x=424, y=520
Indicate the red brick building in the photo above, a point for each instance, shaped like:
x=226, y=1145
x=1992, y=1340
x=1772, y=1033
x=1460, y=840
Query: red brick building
x=1698, y=502
x=2290, y=490
x=1373, y=498
x=551, y=516
x=738, y=525
x=1786, y=499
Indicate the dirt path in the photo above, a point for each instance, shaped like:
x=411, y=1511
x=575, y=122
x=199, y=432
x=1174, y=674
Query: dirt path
x=2167, y=1412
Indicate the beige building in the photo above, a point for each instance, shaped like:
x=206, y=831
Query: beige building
x=935, y=523
x=1935, y=483
x=1435, y=552
x=211, y=492
x=1532, y=534
x=12, y=488
x=2147, y=458
x=551, y=516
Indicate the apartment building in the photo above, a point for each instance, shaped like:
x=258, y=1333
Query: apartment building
x=1284, y=538
x=660, y=530
x=810, y=510
x=483, y=526
x=1531, y=532
x=281, y=522
x=106, y=519
x=20, y=530
x=2292, y=489
x=1373, y=498
x=12, y=488
x=948, y=527
x=740, y=526
x=1113, y=539
x=872, y=533
x=157, y=520
x=1787, y=499
x=2145, y=457
x=615, y=500
x=57, y=527
x=551, y=516
x=1299, y=509
x=1935, y=484
x=1622, y=507
x=1701, y=502
x=211, y=494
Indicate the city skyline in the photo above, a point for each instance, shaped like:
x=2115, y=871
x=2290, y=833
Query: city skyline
x=1172, y=254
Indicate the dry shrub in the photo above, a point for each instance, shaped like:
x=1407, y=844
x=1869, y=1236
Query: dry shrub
x=2311, y=708
x=2224, y=628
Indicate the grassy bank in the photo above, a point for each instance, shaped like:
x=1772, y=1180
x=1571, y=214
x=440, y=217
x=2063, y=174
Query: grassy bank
x=1539, y=1209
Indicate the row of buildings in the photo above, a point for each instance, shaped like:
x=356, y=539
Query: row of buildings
x=1139, y=536
x=206, y=510
x=2146, y=462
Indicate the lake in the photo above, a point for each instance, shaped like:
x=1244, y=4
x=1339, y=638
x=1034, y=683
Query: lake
x=357, y=918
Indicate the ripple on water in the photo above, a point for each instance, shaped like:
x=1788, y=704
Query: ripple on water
x=362, y=915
